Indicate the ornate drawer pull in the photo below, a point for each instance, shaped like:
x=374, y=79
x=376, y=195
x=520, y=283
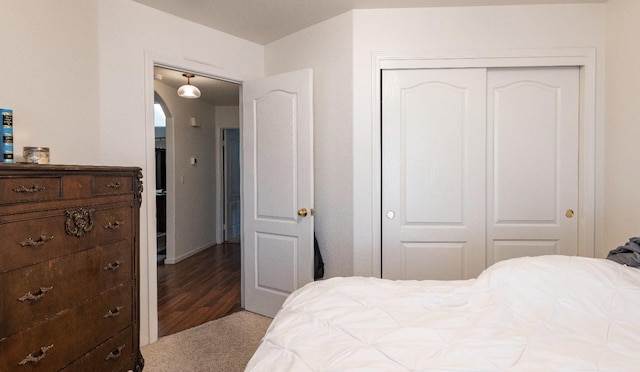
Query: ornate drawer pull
x=79, y=222
x=113, y=266
x=31, y=359
x=35, y=297
x=29, y=242
x=112, y=185
x=115, y=354
x=113, y=313
x=113, y=225
x=32, y=189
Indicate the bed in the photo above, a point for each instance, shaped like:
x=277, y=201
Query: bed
x=549, y=313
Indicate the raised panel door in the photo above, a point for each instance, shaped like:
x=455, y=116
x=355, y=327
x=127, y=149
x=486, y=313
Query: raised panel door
x=532, y=162
x=433, y=173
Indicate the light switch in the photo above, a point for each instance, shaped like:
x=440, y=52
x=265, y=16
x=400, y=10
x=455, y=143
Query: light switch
x=194, y=161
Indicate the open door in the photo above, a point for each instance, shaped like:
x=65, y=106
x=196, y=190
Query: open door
x=232, y=190
x=277, y=154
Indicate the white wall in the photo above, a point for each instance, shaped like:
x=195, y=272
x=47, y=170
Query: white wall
x=227, y=116
x=442, y=30
x=49, y=71
x=327, y=49
x=622, y=178
x=191, y=191
x=74, y=71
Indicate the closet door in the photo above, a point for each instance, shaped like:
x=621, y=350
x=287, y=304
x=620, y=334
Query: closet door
x=433, y=187
x=478, y=166
x=532, y=162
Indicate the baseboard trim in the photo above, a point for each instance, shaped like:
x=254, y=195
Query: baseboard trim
x=168, y=261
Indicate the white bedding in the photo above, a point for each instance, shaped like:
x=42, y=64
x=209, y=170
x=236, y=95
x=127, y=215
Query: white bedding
x=528, y=314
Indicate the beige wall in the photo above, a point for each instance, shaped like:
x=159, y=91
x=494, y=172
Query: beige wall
x=622, y=150
x=50, y=77
x=191, y=198
x=327, y=49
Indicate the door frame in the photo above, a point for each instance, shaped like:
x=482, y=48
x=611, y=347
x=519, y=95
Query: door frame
x=584, y=58
x=148, y=245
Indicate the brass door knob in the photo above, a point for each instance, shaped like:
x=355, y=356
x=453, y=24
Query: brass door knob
x=303, y=212
x=569, y=213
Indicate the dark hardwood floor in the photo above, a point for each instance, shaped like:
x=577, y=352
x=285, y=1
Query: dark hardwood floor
x=201, y=288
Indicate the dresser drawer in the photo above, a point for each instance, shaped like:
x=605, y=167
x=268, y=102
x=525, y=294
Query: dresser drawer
x=14, y=190
x=116, y=354
x=112, y=185
x=37, y=237
x=112, y=224
x=30, y=239
x=37, y=292
x=69, y=335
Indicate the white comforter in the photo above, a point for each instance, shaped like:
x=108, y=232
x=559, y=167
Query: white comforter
x=528, y=314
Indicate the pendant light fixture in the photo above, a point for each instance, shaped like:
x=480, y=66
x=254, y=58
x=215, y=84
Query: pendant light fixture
x=188, y=90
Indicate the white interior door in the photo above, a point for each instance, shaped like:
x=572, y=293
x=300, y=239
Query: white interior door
x=532, y=162
x=433, y=171
x=277, y=153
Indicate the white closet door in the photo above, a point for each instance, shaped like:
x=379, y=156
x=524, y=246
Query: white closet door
x=532, y=162
x=433, y=193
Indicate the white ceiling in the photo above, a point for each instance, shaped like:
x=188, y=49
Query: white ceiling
x=264, y=21
x=217, y=92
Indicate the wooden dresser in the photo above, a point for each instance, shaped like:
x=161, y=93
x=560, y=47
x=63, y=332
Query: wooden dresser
x=69, y=241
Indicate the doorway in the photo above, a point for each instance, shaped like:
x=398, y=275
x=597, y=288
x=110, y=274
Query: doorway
x=188, y=169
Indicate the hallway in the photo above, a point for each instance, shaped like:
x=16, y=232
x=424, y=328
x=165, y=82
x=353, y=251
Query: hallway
x=201, y=288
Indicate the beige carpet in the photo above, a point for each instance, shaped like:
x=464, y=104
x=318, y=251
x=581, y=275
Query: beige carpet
x=224, y=344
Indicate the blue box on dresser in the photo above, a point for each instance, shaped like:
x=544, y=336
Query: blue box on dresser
x=6, y=136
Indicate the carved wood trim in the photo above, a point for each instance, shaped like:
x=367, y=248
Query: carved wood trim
x=139, y=188
x=79, y=222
